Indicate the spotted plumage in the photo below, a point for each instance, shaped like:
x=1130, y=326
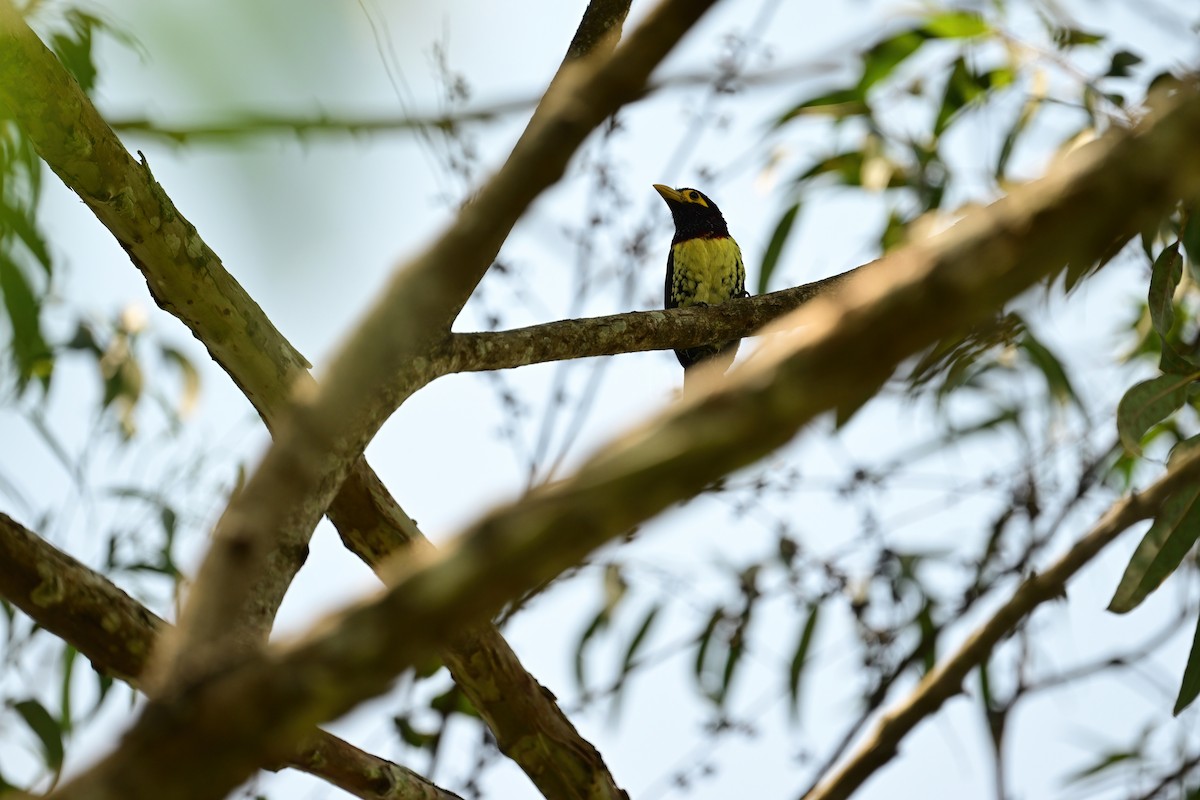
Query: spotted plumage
x=704, y=267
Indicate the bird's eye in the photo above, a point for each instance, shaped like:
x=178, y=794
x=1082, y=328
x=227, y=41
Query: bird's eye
x=691, y=195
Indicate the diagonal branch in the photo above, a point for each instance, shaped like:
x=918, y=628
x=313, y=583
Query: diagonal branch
x=836, y=350
x=945, y=680
x=116, y=633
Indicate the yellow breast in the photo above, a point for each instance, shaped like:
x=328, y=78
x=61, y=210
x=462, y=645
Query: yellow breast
x=707, y=271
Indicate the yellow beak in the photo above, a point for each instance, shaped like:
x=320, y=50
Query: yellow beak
x=668, y=194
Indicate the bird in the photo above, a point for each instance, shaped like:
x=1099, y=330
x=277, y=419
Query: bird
x=704, y=268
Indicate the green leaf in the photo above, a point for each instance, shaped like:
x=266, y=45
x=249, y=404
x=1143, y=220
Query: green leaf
x=882, y=59
x=1028, y=111
x=598, y=623
x=1122, y=60
x=1189, y=687
x=1190, y=235
x=846, y=166
x=775, y=248
x=838, y=103
x=1164, y=278
x=32, y=356
x=1173, y=362
x=1106, y=762
x=895, y=232
x=631, y=654
x=956, y=25
x=16, y=221
x=414, y=737
x=74, y=50
x=70, y=656
x=705, y=642
x=1057, y=381
x=46, y=729
x=965, y=87
x=1073, y=37
x=800, y=657
x=1164, y=546
x=191, y=380
x=1148, y=403
x=639, y=638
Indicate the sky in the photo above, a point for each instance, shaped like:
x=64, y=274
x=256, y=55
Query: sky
x=312, y=226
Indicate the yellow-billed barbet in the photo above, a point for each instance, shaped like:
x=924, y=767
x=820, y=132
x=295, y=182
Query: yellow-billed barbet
x=704, y=267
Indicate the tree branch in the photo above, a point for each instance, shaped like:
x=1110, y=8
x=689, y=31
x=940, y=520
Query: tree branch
x=599, y=29
x=946, y=678
x=242, y=124
x=837, y=349
x=116, y=633
x=631, y=332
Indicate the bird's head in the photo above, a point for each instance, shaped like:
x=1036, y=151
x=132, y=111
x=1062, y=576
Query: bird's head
x=694, y=214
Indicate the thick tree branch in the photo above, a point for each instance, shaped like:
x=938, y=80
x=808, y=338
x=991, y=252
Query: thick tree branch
x=833, y=350
x=116, y=633
x=632, y=332
x=599, y=29
x=945, y=680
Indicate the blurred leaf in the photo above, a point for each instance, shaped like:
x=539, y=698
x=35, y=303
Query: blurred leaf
x=453, y=701
x=1028, y=111
x=895, y=232
x=46, y=729
x=1171, y=361
x=1122, y=60
x=631, y=653
x=615, y=589
x=847, y=166
x=882, y=59
x=964, y=87
x=959, y=360
x=31, y=355
x=1190, y=235
x=1165, y=545
x=1066, y=38
x=598, y=623
x=14, y=220
x=414, y=737
x=639, y=638
x=1164, y=278
x=783, y=229
x=705, y=642
x=70, y=656
x=800, y=657
x=956, y=25
x=1048, y=364
x=838, y=103
x=985, y=685
x=1105, y=762
x=733, y=657
x=1147, y=403
x=191, y=380
x=879, y=62
x=74, y=50
x=1189, y=687
x=929, y=632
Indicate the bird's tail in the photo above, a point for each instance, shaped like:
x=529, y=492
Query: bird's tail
x=701, y=372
